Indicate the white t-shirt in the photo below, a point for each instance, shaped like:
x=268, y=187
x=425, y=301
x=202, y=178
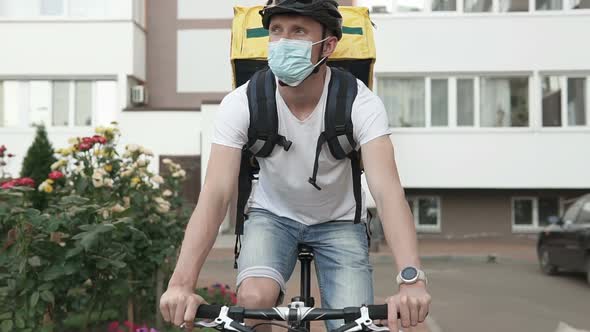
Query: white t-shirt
x=283, y=186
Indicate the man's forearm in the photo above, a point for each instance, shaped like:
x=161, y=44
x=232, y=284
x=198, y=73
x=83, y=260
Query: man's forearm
x=399, y=229
x=199, y=237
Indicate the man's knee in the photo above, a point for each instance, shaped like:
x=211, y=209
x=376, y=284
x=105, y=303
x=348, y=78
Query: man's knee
x=258, y=293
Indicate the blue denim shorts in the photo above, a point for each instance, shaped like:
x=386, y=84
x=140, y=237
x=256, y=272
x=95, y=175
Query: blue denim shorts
x=341, y=257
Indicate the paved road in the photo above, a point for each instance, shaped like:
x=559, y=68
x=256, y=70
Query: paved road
x=471, y=295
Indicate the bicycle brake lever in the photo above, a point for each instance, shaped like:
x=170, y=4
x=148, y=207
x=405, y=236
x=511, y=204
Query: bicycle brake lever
x=366, y=321
x=223, y=321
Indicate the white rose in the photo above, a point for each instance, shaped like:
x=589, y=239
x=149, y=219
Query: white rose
x=166, y=161
x=126, y=154
x=127, y=172
x=141, y=163
x=117, y=208
x=108, y=182
x=126, y=201
x=158, y=179
x=132, y=147
x=73, y=140
x=167, y=193
x=148, y=152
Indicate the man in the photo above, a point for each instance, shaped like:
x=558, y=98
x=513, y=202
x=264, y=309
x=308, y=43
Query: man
x=284, y=208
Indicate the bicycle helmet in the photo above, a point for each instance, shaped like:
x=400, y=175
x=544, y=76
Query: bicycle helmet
x=324, y=11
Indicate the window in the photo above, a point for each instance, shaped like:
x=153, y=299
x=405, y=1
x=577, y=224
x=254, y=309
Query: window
x=584, y=216
x=83, y=103
x=404, y=99
x=504, y=102
x=551, y=101
x=426, y=212
x=410, y=5
x=572, y=212
x=514, y=5
x=61, y=103
x=533, y=212
x=478, y=6
x=99, y=9
x=1, y=104
x=580, y=4
x=565, y=93
x=465, y=102
x=39, y=102
x=52, y=8
x=57, y=103
x=576, y=100
x=439, y=102
x=444, y=5
x=549, y=4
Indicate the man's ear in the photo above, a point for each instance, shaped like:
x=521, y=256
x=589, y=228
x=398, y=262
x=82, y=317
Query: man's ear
x=329, y=46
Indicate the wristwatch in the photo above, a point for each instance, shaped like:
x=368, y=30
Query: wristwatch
x=410, y=275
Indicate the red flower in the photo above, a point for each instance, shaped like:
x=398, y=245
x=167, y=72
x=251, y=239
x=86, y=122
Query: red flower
x=233, y=298
x=99, y=139
x=56, y=175
x=28, y=182
x=85, y=146
x=88, y=140
x=10, y=155
x=7, y=184
x=20, y=182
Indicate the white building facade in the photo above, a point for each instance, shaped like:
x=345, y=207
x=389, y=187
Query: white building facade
x=489, y=100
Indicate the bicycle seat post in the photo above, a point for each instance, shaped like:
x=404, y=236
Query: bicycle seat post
x=305, y=257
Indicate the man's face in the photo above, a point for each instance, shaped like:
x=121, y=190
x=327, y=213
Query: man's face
x=297, y=27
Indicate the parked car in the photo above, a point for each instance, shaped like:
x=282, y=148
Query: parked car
x=565, y=243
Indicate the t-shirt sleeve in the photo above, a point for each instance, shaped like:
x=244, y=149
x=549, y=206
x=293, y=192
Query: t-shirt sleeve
x=369, y=116
x=232, y=120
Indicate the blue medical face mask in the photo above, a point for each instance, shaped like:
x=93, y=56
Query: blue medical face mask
x=290, y=60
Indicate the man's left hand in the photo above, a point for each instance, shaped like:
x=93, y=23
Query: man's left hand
x=412, y=302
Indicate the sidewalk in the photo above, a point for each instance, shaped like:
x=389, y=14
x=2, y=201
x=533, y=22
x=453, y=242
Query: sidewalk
x=219, y=265
x=523, y=249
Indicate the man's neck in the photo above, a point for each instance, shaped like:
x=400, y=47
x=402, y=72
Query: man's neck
x=303, y=98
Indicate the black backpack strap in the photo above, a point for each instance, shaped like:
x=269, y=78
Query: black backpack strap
x=262, y=137
x=263, y=132
x=338, y=130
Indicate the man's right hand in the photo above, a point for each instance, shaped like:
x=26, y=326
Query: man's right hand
x=179, y=304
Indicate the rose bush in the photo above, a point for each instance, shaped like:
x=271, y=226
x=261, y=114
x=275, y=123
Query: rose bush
x=102, y=247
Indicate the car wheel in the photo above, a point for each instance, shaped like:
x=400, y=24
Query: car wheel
x=545, y=262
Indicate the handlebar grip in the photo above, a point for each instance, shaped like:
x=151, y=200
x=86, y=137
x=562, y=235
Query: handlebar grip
x=345, y=327
x=240, y=327
x=378, y=311
x=208, y=311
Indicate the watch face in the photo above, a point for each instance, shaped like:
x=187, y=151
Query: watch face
x=409, y=273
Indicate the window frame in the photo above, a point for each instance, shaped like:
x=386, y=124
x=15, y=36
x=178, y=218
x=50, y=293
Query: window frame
x=535, y=227
x=24, y=104
x=415, y=209
x=563, y=81
x=452, y=100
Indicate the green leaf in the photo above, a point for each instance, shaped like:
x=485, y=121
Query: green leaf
x=5, y=316
x=35, y=261
x=47, y=296
x=74, y=251
x=88, y=240
x=45, y=286
x=34, y=299
x=75, y=199
x=70, y=268
x=20, y=322
x=53, y=273
x=6, y=326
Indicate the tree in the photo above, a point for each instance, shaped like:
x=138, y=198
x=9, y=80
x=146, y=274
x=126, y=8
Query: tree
x=37, y=165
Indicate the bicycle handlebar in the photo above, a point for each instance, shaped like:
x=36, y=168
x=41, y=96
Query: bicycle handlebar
x=207, y=311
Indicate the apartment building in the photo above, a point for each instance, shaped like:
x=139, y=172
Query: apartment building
x=488, y=100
